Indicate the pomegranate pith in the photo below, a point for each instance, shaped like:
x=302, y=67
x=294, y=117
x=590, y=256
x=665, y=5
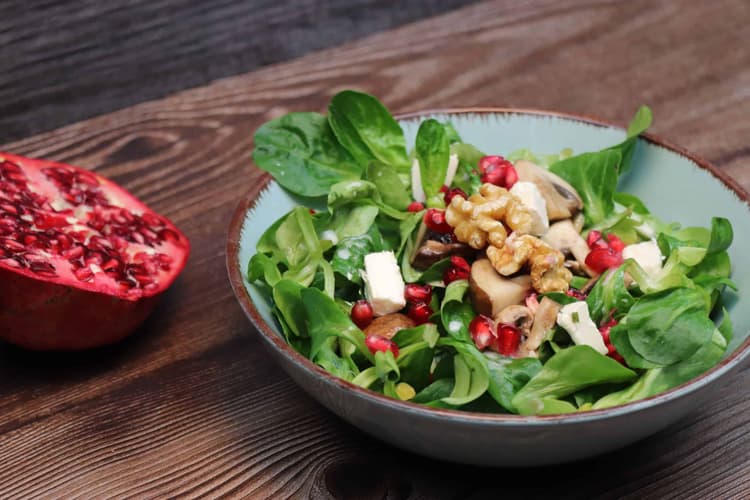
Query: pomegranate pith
x=81, y=259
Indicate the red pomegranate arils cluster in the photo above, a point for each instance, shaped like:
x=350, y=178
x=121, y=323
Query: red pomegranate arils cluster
x=80, y=228
x=377, y=343
x=606, y=251
x=450, y=193
x=434, y=219
x=497, y=170
x=611, y=351
x=503, y=338
x=459, y=269
x=418, y=298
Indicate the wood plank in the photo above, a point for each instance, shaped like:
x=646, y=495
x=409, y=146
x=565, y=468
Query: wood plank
x=65, y=62
x=192, y=405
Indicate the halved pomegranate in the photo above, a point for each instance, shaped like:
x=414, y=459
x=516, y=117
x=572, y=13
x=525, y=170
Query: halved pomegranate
x=82, y=261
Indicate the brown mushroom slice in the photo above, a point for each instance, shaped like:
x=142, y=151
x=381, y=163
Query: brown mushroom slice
x=432, y=251
x=544, y=320
x=517, y=315
x=428, y=251
x=563, y=236
x=562, y=200
x=491, y=293
x=387, y=326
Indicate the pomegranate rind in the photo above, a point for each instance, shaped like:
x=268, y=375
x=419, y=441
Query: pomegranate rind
x=45, y=316
x=59, y=311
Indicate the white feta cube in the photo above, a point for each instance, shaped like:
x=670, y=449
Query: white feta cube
x=646, y=254
x=532, y=199
x=576, y=320
x=384, y=286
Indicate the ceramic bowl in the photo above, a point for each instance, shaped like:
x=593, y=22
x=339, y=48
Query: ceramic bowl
x=676, y=185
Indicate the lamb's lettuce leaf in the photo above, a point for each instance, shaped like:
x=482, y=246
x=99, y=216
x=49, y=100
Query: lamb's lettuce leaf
x=562, y=375
x=433, y=151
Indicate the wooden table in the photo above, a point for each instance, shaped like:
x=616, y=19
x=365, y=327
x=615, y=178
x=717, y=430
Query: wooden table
x=191, y=405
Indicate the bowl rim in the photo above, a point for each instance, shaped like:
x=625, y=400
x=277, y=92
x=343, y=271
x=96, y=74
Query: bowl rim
x=272, y=338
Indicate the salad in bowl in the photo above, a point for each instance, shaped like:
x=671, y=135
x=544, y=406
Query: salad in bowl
x=519, y=282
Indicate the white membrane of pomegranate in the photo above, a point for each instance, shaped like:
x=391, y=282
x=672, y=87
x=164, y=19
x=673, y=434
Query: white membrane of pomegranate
x=64, y=224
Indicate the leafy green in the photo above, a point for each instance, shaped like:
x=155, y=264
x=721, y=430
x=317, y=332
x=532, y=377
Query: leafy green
x=366, y=129
x=349, y=257
x=564, y=374
x=594, y=176
x=433, y=151
x=471, y=373
x=508, y=376
x=609, y=295
x=668, y=327
x=301, y=152
x=391, y=188
x=455, y=312
x=325, y=319
x=287, y=298
x=659, y=380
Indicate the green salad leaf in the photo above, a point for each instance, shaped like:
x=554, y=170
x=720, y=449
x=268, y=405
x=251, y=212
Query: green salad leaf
x=303, y=155
x=367, y=130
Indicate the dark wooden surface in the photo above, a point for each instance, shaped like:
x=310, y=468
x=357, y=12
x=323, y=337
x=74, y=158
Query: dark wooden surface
x=192, y=406
x=61, y=62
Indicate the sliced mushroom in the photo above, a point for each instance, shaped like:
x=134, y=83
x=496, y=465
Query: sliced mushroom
x=544, y=320
x=428, y=251
x=578, y=222
x=563, y=236
x=563, y=201
x=520, y=316
x=432, y=251
x=387, y=326
x=491, y=293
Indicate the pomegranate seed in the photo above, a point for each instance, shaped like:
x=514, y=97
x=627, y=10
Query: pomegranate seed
x=453, y=274
x=495, y=174
x=460, y=263
x=418, y=293
x=511, y=176
x=73, y=253
x=443, y=188
x=12, y=245
x=451, y=193
x=615, y=243
x=488, y=161
x=420, y=312
x=482, y=331
x=83, y=274
x=361, y=314
x=7, y=207
x=43, y=269
x=435, y=221
x=377, y=343
x=415, y=206
x=110, y=265
x=592, y=238
x=610, y=349
x=601, y=259
x=618, y=357
x=576, y=294
x=507, y=341
x=169, y=236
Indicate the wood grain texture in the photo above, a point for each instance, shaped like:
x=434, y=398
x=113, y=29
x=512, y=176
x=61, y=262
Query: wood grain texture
x=191, y=405
x=66, y=61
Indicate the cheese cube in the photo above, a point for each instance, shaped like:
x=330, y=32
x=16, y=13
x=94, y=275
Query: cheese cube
x=532, y=199
x=576, y=320
x=646, y=254
x=384, y=286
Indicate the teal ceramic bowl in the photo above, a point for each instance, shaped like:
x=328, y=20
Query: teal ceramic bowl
x=674, y=184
